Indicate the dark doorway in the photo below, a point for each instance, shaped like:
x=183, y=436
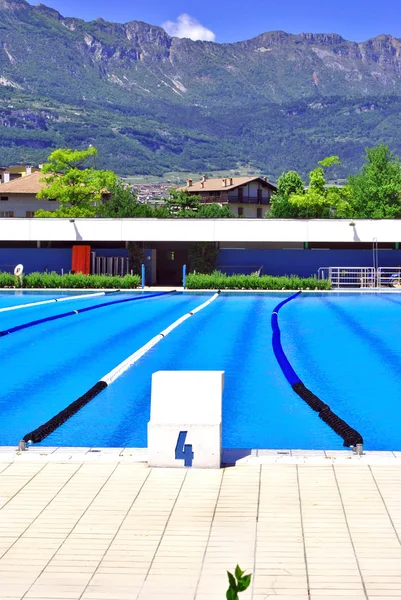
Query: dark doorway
x=169, y=265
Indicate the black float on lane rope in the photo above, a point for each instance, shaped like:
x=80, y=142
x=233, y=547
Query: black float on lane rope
x=350, y=436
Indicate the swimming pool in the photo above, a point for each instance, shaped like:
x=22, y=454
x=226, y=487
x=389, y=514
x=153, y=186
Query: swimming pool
x=345, y=347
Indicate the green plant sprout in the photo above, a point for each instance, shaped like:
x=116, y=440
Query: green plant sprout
x=237, y=583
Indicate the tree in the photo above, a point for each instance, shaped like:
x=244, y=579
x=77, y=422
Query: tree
x=313, y=204
x=320, y=201
x=281, y=208
x=203, y=257
x=182, y=205
x=136, y=256
x=329, y=161
x=180, y=201
x=290, y=183
x=78, y=190
x=214, y=211
x=341, y=201
x=376, y=190
x=122, y=203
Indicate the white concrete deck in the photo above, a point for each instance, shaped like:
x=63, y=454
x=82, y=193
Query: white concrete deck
x=78, y=524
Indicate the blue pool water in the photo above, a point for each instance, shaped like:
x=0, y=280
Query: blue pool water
x=345, y=347
x=12, y=298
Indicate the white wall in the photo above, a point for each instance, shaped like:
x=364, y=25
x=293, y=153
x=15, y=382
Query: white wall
x=250, y=190
x=249, y=210
x=21, y=203
x=213, y=230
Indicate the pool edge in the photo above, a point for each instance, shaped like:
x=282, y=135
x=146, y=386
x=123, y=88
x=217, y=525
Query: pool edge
x=231, y=456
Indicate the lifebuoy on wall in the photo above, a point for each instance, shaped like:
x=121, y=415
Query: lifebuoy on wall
x=18, y=271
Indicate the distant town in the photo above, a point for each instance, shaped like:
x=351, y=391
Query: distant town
x=151, y=192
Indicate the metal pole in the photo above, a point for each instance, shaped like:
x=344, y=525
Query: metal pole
x=184, y=276
x=359, y=449
x=143, y=276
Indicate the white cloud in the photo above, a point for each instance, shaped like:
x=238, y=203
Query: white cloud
x=187, y=27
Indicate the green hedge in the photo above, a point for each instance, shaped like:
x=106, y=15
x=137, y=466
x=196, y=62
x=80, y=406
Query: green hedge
x=220, y=281
x=6, y=280
x=53, y=280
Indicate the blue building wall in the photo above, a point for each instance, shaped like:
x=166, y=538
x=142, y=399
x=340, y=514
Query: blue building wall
x=111, y=252
x=300, y=262
x=57, y=259
x=274, y=262
x=40, y=259
x=36, y=259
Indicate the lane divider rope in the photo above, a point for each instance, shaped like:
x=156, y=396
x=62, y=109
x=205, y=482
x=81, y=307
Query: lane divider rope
x=41, y=432
x=41, y=302
x=78, y=311
x=350, y=436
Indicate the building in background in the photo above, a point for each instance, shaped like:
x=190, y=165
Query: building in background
x=267, y=246
x=18, y=197
x=15, y=172
x=244, y=196
x=151, y=193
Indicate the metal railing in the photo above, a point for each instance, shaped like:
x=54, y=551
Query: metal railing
x=388, y=277
x=349, y=277
x=361, y=277
x=235, y=200
x=249, y=200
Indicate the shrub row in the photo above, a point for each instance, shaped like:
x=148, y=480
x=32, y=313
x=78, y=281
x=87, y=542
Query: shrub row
x=6, y=280
x=53, y=280
x=220, y=281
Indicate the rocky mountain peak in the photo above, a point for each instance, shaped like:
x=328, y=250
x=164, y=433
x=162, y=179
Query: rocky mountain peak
x=150, y=34
x=50, y=12
x=327, y=39
x=169, y=102
x=14, y=5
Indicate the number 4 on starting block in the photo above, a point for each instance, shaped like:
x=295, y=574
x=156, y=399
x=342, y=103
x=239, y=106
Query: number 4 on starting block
x=183, y=450
x=185, y=405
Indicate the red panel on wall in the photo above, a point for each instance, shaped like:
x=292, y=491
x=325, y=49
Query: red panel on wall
x=81, y=262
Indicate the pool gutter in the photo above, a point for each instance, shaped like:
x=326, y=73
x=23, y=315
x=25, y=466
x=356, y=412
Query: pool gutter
x=233, y=457
x=181, y=289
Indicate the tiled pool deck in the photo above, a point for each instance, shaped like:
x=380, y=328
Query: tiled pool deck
x=76, y=523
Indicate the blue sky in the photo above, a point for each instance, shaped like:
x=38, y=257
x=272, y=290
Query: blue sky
x=234, y=20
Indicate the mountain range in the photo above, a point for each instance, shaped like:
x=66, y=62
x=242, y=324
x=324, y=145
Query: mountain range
x=153, y=104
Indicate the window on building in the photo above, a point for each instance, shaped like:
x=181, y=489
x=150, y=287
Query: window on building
x=51, y=199
x=259, y=214
x=6, y=214
x=30, y=214
x=240, y=211
x=3, y=198
x=240, y=194
x=259, y=195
